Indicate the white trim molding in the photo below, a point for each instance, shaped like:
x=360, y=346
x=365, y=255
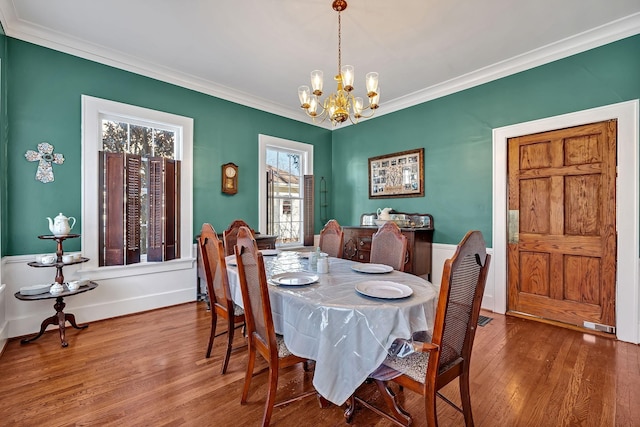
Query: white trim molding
x=627, y=211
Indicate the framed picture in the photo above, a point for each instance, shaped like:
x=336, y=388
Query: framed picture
x=397, y=175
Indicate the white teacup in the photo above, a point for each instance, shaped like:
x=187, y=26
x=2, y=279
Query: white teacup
x=48, y=259
x=74, y=285
x=67, y=259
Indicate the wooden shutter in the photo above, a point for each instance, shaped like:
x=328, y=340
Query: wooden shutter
x=164, y=209
x=171, y=200
x=309, y=226
x=270, y=202
x=155, y=189
x=111, y=197
x=119, y=201
x=133, y=191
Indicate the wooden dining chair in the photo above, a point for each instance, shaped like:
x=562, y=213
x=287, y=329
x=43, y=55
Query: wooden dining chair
x=245, y=238
x=437, y=362
x=262, y=338
x=230, y=235
x=332, y=239
x=215, y=272
x=389, y=246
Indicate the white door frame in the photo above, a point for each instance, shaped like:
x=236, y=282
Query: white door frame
x=627, y=212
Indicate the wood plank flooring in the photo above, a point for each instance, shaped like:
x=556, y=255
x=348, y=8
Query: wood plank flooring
x=149, y=369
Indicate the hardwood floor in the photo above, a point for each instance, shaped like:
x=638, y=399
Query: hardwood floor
x=149, y=369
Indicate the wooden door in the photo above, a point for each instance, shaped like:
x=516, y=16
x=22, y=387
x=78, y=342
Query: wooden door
x=562, y=224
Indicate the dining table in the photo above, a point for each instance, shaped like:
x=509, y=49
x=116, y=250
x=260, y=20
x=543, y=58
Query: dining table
x=347, y=319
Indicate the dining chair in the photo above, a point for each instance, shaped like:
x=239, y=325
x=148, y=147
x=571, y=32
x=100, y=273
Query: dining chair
x=244, y=238
x=389, y=246
x=332, y=239
x=215, y=272
x=230, y=235
x=262, y=338
x=447, y=355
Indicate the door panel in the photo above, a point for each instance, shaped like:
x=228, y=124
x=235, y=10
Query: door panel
x=561, y=265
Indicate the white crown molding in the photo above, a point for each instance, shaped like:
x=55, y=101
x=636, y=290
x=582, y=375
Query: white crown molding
x=613, y=31
x=599, y=36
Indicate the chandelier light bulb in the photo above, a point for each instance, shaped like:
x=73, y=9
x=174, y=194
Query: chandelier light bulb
x=375, y=99
x=372, y=84
x=316, y=82
x=313, y=106
x=304, y=94
x=347, y=74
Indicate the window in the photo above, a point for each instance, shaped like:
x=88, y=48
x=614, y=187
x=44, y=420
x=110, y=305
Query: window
x=138, y=191
x=284, y=209
x=137, y=185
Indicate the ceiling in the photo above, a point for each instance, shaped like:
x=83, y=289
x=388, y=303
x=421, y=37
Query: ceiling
x=257, y=52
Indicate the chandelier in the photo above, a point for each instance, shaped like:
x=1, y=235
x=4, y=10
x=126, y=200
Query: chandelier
x=340, y=105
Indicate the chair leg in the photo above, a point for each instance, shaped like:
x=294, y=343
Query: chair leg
x=271, y=394
x=214, y=321
x=249, y=374
x=465, y=397
x=430, y=407
x=227, y=355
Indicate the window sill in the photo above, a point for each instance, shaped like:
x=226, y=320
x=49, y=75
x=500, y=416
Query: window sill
x=94, y=272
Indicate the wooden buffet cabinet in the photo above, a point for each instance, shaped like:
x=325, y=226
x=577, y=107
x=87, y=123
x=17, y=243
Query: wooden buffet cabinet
x=357, y=246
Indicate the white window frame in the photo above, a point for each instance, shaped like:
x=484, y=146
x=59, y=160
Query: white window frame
x=265, y=141
x=93, y=109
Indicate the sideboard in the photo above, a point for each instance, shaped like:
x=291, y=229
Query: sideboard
x=357, y=246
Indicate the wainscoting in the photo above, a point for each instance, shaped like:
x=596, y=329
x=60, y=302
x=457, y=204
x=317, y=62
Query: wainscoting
x=118, y=296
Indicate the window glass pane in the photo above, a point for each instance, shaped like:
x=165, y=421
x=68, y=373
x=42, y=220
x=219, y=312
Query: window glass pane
x=164, y=143
x=114, y=136
x=286, y=202
x=140, y=140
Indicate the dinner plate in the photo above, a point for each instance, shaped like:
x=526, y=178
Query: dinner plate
x=372, y=268
x=383, y=289
x=270, y=252
x=231, y=260
x=35, y=289
x=294, y=278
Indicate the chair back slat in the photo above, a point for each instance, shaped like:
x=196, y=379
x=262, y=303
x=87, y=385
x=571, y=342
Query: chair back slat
x=230, y=235
x=389, y=246
x=255, y=295
x=332, y=239
x=245, y=239
x=461, y=292
x=214, y=266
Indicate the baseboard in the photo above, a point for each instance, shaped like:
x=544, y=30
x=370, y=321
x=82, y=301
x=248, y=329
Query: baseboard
x=30, y=324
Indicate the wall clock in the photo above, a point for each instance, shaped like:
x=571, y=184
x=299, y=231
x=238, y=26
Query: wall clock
x=229, y=178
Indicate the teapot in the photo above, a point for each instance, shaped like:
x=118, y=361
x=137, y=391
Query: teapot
x=59, y=226
x=384, y=213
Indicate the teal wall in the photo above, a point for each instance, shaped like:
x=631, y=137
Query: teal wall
x=3, y=142
x=456, y=132
x=44, y=105
x=41, y=90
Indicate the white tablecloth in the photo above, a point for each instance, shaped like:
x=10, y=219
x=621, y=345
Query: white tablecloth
x=346, y=333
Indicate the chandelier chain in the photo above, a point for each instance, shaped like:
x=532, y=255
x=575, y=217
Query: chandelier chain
x=339, y=42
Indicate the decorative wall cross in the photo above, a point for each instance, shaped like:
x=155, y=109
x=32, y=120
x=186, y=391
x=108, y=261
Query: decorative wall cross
x=44, y=156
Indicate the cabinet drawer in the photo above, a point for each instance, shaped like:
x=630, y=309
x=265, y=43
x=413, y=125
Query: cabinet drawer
x=364, y=243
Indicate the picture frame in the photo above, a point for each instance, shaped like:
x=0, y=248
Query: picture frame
x=397, y=175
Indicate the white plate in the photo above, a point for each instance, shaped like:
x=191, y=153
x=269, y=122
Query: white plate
x=383, y=289
x=231, y=260
x=372, y=268
x=294, y=278
x=35, y=289
x=270, y=252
